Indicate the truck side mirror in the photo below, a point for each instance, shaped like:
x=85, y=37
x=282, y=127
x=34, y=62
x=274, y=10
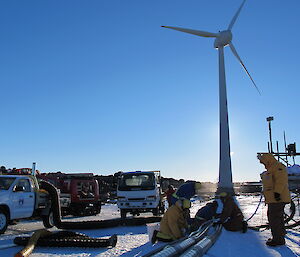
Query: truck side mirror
x=19, y=189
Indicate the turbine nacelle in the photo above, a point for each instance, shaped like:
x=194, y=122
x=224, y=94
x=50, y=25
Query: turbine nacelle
x=223, y=39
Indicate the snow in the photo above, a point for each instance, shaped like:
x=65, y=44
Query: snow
x=134, y=241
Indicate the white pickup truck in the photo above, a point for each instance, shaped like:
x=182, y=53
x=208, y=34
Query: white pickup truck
x=20, y=198
x=139, y=192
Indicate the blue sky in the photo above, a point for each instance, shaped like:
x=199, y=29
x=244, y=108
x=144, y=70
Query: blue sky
x=99, y=86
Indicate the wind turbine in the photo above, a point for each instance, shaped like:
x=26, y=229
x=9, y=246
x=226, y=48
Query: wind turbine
x=222, y=39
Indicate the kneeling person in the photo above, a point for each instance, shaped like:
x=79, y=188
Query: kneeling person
x=207, y=212
x=231, y=217
x=173, y=224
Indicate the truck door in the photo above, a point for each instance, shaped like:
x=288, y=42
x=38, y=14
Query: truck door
x=23, y=199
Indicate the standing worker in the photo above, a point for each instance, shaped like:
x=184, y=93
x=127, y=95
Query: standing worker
x=168, y=193
x=185, y=191
x=276, y=192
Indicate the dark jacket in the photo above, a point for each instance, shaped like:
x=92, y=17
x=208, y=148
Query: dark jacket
x=186, y=190
x=207, y=212
x=231, y=216
x=168, y=194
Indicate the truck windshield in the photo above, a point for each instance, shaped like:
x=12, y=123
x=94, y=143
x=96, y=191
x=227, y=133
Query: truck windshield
x=135, y=181
x=5, y=183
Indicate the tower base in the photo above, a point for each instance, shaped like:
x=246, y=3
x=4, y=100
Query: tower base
x=228, y=190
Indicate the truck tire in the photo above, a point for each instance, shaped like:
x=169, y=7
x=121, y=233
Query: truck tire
x=123, y=214
x=98, y=209
x=156, y=211
x=79, y=213
x=48, y=220
x=3, y=221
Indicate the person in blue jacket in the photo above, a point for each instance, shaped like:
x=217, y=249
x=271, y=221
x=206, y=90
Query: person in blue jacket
x=208, y=211
x=185, y=191
x=204, y=214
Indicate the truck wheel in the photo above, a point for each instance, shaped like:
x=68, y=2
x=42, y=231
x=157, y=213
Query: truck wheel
x=155, y=211
x=98, y=209
x=3, y=221
x=48, y=220
x=123, y=214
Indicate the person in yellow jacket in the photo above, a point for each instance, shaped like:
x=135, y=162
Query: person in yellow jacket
x=276, y=193
x=174, y=223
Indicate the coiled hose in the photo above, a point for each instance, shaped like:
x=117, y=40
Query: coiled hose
x=286, y=220
x=69, y=239
x=31, y=243
x=260, y=200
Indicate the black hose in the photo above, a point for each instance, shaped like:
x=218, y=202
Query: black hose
x=293, y=211
x=70, y=239
x=93, y=224
x=55, y=203
x=289, y=218
x=260, y=200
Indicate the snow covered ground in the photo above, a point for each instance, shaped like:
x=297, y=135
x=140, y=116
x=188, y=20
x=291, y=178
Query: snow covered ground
x=134, y=241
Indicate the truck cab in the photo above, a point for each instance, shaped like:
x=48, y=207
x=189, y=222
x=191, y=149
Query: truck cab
x=17, y=193
x=79, y=192
x=139, y=192
x=20, y=198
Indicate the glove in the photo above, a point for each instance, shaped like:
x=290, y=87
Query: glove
x=184, y=231
x=277, y=196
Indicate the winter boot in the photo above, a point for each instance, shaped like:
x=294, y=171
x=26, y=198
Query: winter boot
x=275, y=243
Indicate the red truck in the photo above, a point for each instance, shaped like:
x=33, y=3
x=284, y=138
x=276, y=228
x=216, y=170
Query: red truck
x=79, y=192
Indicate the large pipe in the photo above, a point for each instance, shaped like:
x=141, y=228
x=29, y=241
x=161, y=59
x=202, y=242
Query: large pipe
x=182, y=246
x=200, y=248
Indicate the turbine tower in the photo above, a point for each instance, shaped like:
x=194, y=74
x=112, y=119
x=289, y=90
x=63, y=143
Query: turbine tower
x=222, y=39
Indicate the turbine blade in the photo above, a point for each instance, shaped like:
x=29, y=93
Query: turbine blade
x=237, y=56
x=194, y=32
x=235, y=16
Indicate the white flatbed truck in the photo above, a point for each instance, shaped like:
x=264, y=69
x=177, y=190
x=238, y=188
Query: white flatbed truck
x=139, y=192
